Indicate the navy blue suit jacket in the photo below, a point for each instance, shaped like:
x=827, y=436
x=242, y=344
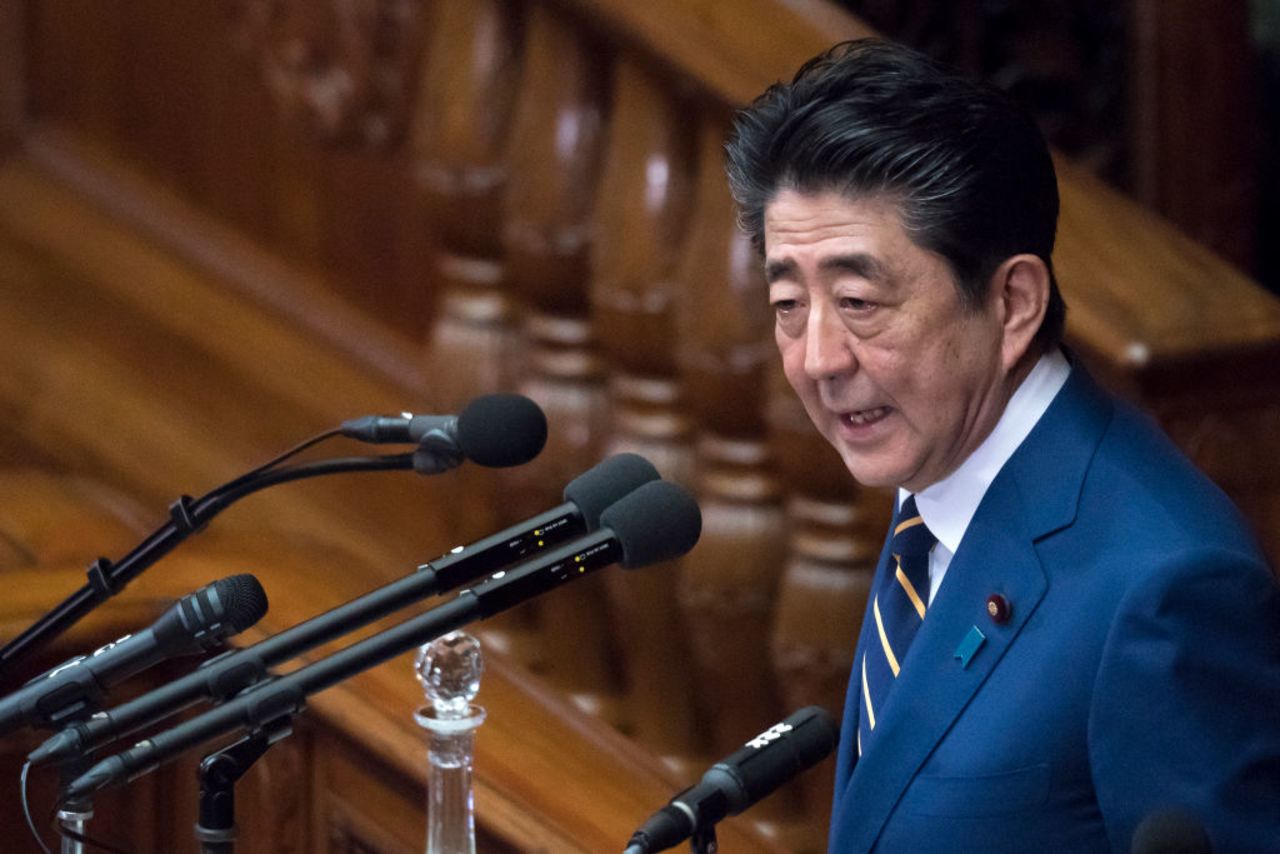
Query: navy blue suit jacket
x=1140, y=668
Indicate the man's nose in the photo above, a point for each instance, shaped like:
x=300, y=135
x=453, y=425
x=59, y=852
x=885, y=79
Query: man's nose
x=827, y=351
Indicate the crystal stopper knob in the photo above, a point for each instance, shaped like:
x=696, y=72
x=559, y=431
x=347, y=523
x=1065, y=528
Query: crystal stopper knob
x=449, y=669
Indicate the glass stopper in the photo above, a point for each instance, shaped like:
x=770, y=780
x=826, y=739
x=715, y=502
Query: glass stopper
x=449, y=669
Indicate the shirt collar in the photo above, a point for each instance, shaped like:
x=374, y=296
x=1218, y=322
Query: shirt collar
x=948, y=505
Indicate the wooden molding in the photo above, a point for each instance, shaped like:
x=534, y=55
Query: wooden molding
x=732, y=50
x=1141, y=294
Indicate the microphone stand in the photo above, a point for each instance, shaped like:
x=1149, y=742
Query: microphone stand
x=704, y=841
x=215, y=827
x=74, y=813
x=186, y=517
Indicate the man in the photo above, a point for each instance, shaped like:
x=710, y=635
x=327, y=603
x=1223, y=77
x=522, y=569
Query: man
x=1070, y=630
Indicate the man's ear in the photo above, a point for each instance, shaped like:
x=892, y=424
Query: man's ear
x=1020, y=289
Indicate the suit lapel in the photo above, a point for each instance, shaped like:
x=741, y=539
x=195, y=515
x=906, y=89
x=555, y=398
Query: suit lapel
x=847, y=750
x=1035, y=493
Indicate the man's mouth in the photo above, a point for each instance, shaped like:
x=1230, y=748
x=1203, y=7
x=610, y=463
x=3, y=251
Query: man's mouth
x=860, y=417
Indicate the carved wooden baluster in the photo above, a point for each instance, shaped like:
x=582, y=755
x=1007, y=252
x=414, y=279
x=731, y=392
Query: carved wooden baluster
x=295, y=44
x=250, y=23
x=727, y=585
x=466, y=93
x=376, y=47
x=465, y=105
x=340, y=69
x=278, y=37
x=357, y=104
x=339, y=73
x=836, y=532
x=554, y=159
x=643, y=211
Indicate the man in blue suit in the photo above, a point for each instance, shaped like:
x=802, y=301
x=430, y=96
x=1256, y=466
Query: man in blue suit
x=1071, y=630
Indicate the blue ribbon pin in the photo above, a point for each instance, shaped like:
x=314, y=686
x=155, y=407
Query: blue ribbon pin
x=972, y=642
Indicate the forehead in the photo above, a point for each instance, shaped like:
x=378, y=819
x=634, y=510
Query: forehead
x=796, y=218
x=800, y=225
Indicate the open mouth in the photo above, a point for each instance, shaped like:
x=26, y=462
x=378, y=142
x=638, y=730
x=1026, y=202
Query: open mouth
x=862, y=417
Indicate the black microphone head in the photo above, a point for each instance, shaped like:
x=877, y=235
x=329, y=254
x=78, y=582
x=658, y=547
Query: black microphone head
x=612, y=479
x=658, y=521
x=199, y=621
x=501, y=430
x=243, y=600
x=1170, y=831
x=774, y=757
x=815, y=731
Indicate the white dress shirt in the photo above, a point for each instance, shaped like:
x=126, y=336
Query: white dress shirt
x=948, y=506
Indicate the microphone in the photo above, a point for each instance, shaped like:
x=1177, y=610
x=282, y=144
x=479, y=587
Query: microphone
x=1170, y=831
x=740, y=780
x=495, y=430
x=196, y=623
x=657, y=522
x=586, y=498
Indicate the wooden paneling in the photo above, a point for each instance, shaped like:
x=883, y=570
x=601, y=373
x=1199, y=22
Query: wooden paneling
x=13, y=74
x=1194, y=124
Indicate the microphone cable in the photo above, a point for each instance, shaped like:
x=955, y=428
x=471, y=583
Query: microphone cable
x=26, y=809
x=85, y=839
x=219, y=499
x=292, y=452
x=62, y=831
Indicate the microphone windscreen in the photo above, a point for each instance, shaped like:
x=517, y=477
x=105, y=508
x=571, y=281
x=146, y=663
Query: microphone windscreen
x=657, y=522
x=1170, y=831
x=243, y=600
x=593, y=491
x=774, y=757
x=501, y=430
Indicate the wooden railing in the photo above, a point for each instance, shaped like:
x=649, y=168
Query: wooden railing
x=226, y=230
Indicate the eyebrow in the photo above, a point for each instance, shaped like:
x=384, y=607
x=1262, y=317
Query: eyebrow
x=774, y=270
x=857, y=263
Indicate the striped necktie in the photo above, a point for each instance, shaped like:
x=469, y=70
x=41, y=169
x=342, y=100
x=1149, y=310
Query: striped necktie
x=897, y=610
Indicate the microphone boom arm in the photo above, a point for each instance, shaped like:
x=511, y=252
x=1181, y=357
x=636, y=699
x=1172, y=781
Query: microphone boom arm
x=186, y=517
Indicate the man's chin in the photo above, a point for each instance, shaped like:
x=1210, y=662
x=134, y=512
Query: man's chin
x=875, y=475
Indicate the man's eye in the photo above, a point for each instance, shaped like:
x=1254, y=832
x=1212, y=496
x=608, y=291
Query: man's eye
x=856, y=304
x=784, y=306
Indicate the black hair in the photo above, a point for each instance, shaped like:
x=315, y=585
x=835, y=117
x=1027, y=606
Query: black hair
x=967, y=167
